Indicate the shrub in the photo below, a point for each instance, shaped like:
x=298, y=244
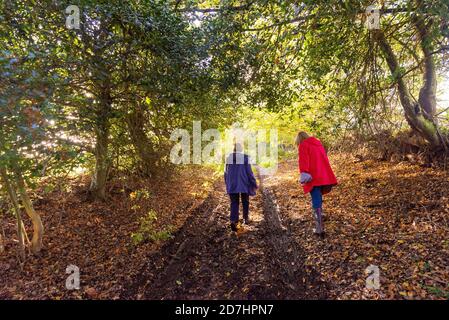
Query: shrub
x=148, y=232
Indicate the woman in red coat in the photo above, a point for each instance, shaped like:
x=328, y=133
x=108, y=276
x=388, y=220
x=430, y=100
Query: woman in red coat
x=316, y=175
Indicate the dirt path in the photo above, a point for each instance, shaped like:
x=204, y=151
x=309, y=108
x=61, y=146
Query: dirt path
x=374, y=217
x=206, y=261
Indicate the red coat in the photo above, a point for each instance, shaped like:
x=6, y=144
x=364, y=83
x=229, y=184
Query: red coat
x=313, y=160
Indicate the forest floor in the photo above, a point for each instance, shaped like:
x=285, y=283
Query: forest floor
x=96, y=236
x=390, y=215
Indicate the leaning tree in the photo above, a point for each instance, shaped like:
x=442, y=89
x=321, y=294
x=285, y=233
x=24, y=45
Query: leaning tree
x=325, y=46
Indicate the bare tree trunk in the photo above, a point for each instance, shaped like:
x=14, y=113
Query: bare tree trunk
x=100, y=176
x=13, y=198
x=420, y=115
x=143, y=145
x=38, y=227
x=428, y=93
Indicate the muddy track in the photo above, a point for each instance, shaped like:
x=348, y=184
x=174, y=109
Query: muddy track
x=170, y=257
x=206, y=261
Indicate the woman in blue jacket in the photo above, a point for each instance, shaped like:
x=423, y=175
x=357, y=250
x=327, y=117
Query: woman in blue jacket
x=240, y=183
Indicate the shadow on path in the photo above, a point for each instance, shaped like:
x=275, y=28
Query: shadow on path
x=205, y=260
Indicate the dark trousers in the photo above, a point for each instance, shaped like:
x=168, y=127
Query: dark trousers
x=317, y=197
x=235, y=205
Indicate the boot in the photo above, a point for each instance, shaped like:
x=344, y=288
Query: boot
x=319, y=228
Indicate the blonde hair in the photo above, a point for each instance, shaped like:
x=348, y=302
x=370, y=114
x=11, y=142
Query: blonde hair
x=238, y=147
x=301, y=136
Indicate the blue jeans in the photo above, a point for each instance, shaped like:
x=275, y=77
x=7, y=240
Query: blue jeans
x=235, y=205
x=317, y=197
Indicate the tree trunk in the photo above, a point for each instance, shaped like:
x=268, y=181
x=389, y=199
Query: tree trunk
x=38, y=227
x=418, y=115
x=100, y=176
x=143, y=145
x=13, y=198
x=428, y=93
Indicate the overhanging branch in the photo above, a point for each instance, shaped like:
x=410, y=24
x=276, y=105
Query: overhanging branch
x=242, y=7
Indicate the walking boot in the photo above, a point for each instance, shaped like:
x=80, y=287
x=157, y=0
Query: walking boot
x=319, y=228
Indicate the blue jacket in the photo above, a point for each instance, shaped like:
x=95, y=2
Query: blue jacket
x=239, y=177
